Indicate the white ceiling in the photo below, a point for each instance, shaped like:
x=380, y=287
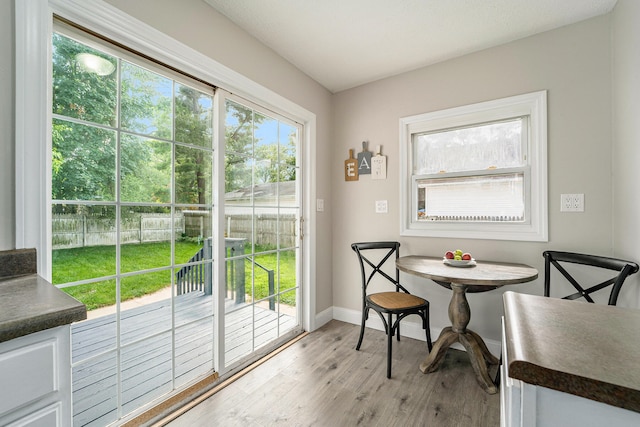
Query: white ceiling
x=345, y=43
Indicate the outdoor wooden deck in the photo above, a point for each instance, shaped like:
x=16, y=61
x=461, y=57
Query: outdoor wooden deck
x=146, y=365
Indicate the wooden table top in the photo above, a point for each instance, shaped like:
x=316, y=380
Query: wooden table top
x=484, y=276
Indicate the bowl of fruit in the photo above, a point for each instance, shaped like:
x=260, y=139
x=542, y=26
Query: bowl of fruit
x=458, y=258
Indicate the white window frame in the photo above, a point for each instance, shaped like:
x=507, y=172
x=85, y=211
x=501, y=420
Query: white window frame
x=33, y=22
x=533, y=106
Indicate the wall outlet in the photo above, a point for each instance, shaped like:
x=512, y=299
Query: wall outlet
x=572, y=203
x=381, y=206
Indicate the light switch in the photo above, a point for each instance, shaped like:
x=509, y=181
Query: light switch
x=381, y=206
x=320, y=205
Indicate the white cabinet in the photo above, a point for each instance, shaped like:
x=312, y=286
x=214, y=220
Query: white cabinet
x=35, y=379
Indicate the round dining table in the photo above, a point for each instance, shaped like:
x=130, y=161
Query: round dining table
x=476, y=276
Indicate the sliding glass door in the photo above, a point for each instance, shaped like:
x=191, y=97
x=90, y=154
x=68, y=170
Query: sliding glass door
x=133, y=191
x=262, y=210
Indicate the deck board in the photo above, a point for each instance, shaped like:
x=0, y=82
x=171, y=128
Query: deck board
x=146, y=365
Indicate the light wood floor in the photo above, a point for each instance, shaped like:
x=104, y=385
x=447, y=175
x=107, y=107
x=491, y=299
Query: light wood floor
x=148, y=366
x=322, y=381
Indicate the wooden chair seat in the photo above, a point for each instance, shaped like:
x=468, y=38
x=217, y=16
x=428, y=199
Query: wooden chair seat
x=396, y=301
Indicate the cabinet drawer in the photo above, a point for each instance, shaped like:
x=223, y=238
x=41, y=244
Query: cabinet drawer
x=27, y=374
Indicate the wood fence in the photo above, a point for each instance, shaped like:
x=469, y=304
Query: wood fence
x=74, y=230
x=269, y=228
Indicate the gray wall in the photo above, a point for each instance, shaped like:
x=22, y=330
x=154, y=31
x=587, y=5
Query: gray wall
x=626, y=133
x=573, y=64
x=7, y=128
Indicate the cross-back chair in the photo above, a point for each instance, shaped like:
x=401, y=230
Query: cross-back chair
x=622, y=269
x=372, y=257
x=556, y=259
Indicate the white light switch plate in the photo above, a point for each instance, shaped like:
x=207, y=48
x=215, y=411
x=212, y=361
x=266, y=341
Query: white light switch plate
x=320, y=205
x=381, y=206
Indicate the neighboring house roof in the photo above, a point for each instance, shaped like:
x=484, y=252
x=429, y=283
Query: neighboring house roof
x=285, y=191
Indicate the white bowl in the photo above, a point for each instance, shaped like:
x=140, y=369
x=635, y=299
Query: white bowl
x=459, y=263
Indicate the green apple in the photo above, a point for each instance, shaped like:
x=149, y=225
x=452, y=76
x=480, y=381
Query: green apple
x=458, y=252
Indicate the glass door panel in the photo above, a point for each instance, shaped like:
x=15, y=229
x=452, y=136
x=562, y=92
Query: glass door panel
x=95, y=391
x=262, y=207
x=132, y=194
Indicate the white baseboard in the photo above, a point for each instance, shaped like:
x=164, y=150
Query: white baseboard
x=324, y=317
x=408, y=329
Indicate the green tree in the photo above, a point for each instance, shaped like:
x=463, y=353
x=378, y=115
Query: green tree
x=239, y=129
x=244, y=151
x=85, y=102
x=80, y=151
x=194, y=115
x=277, y=163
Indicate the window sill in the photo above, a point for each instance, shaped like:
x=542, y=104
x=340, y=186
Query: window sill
x=514, y=232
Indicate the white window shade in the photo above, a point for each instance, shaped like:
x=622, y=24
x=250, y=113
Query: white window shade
x=490, y=145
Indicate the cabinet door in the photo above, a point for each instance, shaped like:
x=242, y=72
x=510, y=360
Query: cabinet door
x=35, y=379
x=46, y=417
x=27, y=374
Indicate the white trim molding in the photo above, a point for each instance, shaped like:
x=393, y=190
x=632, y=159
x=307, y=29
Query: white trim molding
x=33, y=29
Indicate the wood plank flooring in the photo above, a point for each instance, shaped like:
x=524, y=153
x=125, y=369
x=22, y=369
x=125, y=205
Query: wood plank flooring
x=322, y=381
x=147, y=369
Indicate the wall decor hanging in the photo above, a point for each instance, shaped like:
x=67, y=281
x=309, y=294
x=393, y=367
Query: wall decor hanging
x=364, y=160
x=351, y=168
x=379, y=165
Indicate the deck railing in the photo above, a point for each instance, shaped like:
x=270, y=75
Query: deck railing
x=270, y=275
x=197, y=277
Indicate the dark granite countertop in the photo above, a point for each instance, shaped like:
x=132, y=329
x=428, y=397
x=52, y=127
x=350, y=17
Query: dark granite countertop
x=588, y=350
x=31, y=304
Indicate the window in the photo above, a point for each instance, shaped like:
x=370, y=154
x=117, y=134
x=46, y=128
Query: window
x=477, y=171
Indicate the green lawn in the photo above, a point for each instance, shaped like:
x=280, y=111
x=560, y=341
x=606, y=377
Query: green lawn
x=70, y=265
x=287, y=275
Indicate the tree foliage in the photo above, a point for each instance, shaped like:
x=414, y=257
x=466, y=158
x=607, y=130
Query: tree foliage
x=85, y=132
x=82, y=152
x=149, y=126
x=255, y=156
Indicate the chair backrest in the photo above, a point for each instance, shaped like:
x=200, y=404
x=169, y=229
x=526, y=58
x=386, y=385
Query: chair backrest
x=372, y=257
x=622, y=268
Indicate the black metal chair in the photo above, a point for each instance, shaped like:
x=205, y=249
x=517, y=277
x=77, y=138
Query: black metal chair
x=622, y=268
x=398, y=302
